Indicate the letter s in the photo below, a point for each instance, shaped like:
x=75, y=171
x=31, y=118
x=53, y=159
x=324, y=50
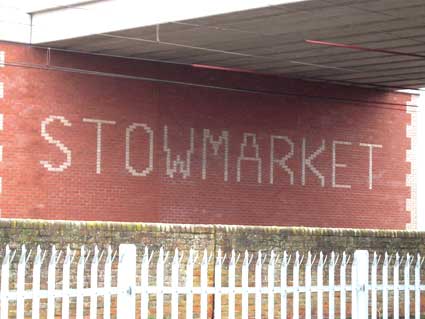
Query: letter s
x=59, y=144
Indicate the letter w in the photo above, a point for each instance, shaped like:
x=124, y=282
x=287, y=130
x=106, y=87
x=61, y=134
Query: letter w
x=178, y=164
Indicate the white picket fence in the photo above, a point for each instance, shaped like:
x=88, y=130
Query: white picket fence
x=291, y=280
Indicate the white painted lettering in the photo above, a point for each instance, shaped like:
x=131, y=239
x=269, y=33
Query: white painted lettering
x=308, y=162
x=371, y=147
x=128, y=165
x=255, y=158
x=335, y=164
x=98, y=140
x=59, y=144
x=281, y=161
x=223, y=139
x=178, y=164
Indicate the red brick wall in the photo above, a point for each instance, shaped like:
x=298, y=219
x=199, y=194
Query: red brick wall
x=299, y=112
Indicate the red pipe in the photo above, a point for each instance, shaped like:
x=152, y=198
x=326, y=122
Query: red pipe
x=223, y=68
x=356, y=47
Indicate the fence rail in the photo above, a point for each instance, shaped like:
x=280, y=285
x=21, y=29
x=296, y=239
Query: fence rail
x=251, y=285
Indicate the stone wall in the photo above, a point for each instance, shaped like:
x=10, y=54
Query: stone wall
x=253, y=238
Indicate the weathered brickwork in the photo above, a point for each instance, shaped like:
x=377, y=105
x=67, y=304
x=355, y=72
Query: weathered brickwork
x=100, y=147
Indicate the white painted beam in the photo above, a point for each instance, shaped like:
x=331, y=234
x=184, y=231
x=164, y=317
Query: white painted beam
x=114, y=15
x=44, y=5
x=15, y=25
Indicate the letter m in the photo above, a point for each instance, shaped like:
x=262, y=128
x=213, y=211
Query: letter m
x=208, y=139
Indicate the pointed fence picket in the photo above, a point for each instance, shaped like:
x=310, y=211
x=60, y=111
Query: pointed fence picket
x=204, y=285
x=283, y=285
x=258, y=279
x=311, y=285
x=385, y=267
x=374, y=288
x=232, y=285
x=419, y=262
x=66, y=272
x=407, y=286
x=331, y=282
x=144, y=305
x=20, y=285
x=396, y=291
x=270, y=281
x=217, y=284
x=245, y=266
x=36, y=284
x=107, y=284
x=320, y=288
x=296, y=289
x=175, y=284
x=308, y=285
x=343, y=287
